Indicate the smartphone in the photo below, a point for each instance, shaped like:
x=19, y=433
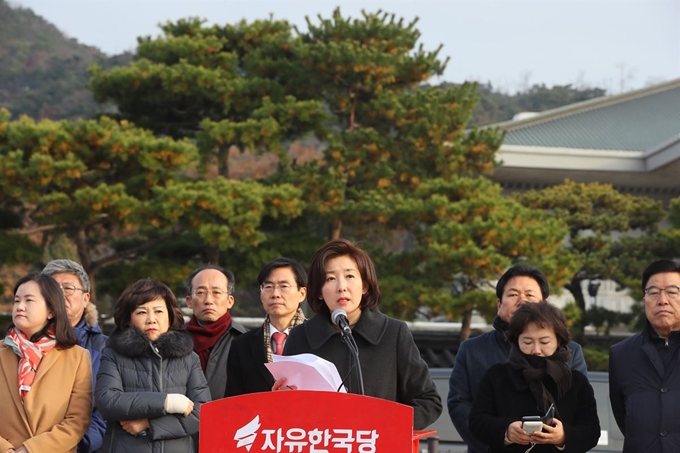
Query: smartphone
x=531, y=426
x=533, y=423
x=548, y=417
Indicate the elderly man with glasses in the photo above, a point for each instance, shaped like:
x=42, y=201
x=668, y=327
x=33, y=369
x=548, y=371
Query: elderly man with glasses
x=644, y=370
x=83, y=315
x=283, y=287
x=210, y=294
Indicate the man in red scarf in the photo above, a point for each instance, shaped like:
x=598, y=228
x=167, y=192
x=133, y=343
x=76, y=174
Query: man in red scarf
x=210, y=294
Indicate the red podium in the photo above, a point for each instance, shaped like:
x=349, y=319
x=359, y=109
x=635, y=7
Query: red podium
x=307, y=422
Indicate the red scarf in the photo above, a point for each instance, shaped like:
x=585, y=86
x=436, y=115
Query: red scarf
x=205, y=337
x=30, y=355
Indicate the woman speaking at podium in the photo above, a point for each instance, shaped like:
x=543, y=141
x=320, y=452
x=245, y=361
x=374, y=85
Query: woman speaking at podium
x=342, y=276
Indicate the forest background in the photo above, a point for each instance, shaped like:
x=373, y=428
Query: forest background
x=238, y=143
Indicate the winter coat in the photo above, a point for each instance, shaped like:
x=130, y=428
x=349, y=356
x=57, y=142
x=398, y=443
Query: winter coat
x=504, y=397
x=390, y=362
x=216, y=368
x=56, y=412
x=135, y=376
x=91, y=338
x=246, y=372
x=474, y=357
x=645, y=396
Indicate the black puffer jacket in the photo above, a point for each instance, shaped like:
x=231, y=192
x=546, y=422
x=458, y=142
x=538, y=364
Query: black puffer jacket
x=134, y=378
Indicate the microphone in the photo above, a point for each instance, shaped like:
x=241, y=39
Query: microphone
x=339, y=318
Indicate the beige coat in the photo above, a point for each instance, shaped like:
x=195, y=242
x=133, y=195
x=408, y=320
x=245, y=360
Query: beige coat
x=56, y=412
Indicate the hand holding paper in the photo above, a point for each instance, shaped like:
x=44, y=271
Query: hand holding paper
x=306, y=372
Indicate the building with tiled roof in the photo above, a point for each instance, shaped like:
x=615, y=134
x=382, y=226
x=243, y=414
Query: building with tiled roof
x=630, y=140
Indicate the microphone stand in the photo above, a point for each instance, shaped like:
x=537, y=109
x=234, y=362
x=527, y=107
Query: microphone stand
x=348, y=339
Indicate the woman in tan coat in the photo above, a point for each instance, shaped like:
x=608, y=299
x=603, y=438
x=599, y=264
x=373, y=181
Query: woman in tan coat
x=45, y=379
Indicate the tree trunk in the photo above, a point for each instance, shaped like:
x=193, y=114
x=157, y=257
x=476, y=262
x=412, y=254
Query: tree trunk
x=574, y=287
x=223, y=161
x=337, y=230
x=84, y=256
x=352, y=113
x=465, y=325
x=213, y=255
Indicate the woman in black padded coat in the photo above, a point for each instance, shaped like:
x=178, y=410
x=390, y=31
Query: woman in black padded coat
x=150, y=385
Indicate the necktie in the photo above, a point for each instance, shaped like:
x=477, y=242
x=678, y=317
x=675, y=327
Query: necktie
x=279, y=338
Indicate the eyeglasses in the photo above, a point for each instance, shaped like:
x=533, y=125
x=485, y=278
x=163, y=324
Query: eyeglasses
x=283, y=288
x=69, y=289
x=654, y=293
x=215, y=293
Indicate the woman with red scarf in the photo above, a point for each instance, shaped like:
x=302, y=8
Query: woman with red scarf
x=45, y=379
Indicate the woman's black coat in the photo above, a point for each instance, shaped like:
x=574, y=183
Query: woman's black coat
x=390, y=362
x=504, y=397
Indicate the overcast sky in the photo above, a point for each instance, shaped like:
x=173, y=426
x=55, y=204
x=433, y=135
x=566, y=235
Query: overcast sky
x=511, y=43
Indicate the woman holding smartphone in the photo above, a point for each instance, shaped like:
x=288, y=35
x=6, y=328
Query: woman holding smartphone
x=535, y=378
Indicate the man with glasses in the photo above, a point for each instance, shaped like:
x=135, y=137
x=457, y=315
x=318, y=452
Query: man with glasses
x=210, y=294
x=283, y=287
x=83, y=315
x=520, y=284
x=644, y=372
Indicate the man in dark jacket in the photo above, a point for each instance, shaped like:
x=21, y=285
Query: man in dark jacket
x=283, y=287
x=644, y=378
x=83, y=316
x=210, y=294
x=520, y=284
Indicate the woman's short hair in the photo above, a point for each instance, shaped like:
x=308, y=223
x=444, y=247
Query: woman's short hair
x=317, y=275
x=544, y=315
x=54, y=299
x=141, y=292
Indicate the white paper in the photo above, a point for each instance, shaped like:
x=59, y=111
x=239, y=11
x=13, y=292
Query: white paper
x=307, y=372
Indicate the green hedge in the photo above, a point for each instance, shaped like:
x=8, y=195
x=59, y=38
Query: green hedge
x=597, y=359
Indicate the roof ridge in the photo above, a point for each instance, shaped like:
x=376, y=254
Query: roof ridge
x=587, y=105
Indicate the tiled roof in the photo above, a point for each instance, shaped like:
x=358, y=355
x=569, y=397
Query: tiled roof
x=641, y=120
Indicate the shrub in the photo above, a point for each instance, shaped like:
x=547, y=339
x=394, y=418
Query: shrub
x=597, y=358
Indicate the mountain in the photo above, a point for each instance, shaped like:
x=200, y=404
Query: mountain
x=44, y=73
x=495, y=106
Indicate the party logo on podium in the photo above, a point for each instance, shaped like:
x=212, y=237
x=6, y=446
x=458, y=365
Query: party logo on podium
x=245, y=436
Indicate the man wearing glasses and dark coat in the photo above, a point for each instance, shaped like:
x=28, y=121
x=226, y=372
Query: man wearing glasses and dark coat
x=83, y=315
x=283, y=287
x=210, y=294
x=644, y=371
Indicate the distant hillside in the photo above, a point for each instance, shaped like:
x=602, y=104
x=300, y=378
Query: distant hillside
x=495, y=106
x=44, y=73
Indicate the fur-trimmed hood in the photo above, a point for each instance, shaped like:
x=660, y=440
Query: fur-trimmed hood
x=91, y=314
x=132, y=342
